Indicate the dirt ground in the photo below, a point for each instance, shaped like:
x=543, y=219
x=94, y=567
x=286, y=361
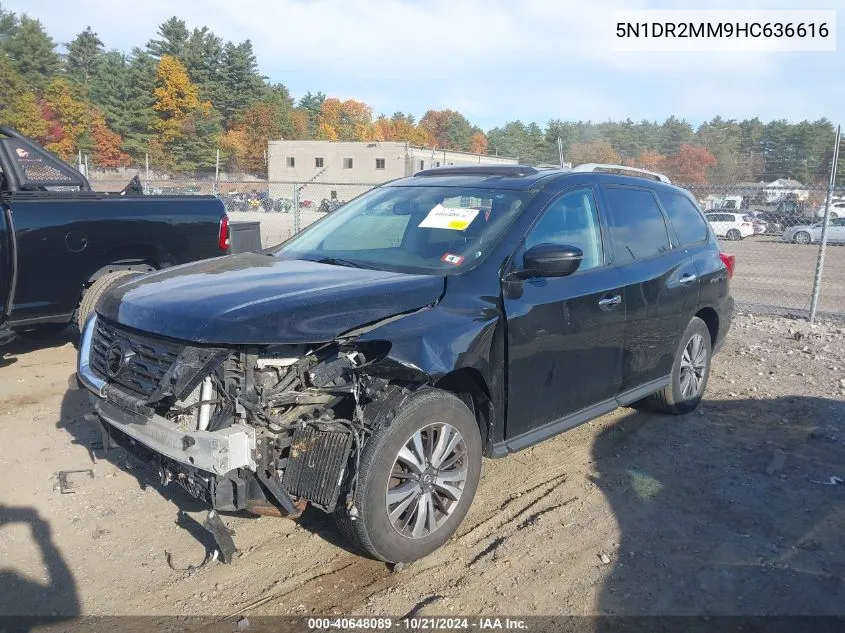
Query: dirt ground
x=734, y=509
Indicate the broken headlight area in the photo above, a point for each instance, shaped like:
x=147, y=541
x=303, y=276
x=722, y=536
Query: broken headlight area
x=311, y=408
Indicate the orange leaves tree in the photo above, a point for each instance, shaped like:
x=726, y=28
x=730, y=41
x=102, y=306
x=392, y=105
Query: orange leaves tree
x=689, y=164
x=649, y=159
x=348, y=120
x=246, y=140
x=400, y=127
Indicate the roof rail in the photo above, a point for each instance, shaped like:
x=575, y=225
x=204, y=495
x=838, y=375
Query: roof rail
x=479, y=170
x=622, y=168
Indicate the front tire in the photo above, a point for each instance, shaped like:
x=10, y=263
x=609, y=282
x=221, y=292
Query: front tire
x=801, y=237
x=689, y=373
x=416, y=480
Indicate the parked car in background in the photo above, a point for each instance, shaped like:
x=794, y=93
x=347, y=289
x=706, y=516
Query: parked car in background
x=62, y=245
x=837, y=210
x=731, y=226
x=367, y=364
x=773, y=225
x=811, y=233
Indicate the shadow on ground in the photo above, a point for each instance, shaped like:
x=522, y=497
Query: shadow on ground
x=727, y=511
x=24, y=596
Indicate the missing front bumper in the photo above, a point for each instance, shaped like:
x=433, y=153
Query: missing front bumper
x=217, y=452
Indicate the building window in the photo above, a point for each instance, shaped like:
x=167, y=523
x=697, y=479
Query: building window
x=379, y=163
x=318, y=162
x=422, y=164
x=347, y=163
x=290, y=161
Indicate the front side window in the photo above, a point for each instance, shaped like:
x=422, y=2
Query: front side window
x=436, y=230
x=684, y=218
x=636, y=224
x=571, y=220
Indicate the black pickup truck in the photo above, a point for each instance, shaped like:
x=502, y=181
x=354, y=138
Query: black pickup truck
x=60, y=241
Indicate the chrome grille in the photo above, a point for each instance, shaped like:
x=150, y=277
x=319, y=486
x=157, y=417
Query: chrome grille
x=143, y=371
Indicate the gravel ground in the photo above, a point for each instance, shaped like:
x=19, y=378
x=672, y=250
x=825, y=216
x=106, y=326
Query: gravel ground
x=734, y=509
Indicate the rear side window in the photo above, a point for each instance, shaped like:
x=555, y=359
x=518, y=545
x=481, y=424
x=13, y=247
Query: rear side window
x=684, y=218
x=636, y=224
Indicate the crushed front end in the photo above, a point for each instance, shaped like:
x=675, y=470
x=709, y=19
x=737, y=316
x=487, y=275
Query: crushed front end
x=266, y=429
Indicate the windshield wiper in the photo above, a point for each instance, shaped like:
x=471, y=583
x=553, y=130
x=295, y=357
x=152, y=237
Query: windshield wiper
x=336, y=261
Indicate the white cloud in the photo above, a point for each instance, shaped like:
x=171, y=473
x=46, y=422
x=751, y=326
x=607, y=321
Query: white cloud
x=494, y=60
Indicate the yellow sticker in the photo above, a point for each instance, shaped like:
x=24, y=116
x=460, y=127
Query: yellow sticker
x=458, y=225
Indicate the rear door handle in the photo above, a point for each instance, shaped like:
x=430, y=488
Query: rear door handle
x=687, y=278
x=609, y=302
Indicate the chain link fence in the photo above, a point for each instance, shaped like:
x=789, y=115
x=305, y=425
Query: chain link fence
x=773, y=230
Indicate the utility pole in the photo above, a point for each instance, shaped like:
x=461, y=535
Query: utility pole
x=817, y=282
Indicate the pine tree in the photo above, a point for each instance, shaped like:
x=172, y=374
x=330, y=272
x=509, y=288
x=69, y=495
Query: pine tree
x=242, y=84
x=173, y=38
x=310, y=105
x=31, y=52
x=82, y=56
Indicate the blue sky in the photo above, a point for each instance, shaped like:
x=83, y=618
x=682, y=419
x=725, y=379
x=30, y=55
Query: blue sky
x=493, y=60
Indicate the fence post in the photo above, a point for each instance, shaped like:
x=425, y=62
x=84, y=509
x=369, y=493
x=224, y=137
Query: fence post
x=817, y=282
x=295, y=208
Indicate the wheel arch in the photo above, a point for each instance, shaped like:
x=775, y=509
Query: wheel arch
x=469, y=385
x=711, y=320
x=130, y=257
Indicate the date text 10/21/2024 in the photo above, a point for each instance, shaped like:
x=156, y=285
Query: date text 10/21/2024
x=416, y=624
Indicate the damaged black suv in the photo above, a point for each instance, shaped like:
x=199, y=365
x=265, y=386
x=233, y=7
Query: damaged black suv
x=367, y=364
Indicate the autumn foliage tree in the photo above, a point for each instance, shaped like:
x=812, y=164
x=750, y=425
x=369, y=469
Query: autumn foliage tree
x=18, y=106
x=649, y=159
x=478, y=143
x=68, y=119
x=107, y=144
x=348, y=120
x=689, y=164
x=182, y=120
x=246, y=141
x=596, y=152
x=399, y=127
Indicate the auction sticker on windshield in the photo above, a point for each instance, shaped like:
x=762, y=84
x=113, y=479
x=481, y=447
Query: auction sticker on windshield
x=442, y=218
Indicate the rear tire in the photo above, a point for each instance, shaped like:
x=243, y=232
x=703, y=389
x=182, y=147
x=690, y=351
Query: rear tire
x=404, y=515
x=689, y=373
x=734, y=235
x=96, y=290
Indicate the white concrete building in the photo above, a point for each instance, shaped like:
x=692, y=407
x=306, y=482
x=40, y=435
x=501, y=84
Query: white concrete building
x=343, y=162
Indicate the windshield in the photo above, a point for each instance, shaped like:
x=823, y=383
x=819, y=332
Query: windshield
x=410, y=229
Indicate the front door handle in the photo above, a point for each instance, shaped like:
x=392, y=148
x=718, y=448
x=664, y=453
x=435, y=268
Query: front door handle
x=687, y=278
x=609, y=302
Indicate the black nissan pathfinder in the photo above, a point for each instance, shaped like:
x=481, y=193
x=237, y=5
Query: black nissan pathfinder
x=367, y=364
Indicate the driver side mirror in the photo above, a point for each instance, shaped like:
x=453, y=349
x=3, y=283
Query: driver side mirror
x=551, y=260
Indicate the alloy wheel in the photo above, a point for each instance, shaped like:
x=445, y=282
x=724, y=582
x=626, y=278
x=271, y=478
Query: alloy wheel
x=802, y=237
x=427, y=480
x=693, y=366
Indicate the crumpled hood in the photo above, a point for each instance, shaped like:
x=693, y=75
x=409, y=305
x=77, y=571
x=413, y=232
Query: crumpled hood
x=259, y=299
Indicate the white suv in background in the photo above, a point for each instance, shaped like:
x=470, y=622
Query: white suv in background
x=731, y=226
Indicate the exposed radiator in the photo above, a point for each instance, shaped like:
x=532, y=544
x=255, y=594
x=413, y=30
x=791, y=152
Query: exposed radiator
x=316, y=464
